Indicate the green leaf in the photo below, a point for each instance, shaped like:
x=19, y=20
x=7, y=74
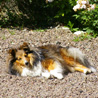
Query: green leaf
x=62, y=14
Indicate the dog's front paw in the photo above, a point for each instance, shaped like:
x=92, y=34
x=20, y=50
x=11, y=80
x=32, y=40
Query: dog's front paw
x=46, y=74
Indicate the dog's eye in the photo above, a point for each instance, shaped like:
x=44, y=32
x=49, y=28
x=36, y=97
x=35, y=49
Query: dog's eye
x=26, y=49
x=25, y=55
x=19, y=58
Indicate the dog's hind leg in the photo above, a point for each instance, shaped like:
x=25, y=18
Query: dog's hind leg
x=82, y=68
x=73, y=64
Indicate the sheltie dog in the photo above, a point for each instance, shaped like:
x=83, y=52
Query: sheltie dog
x=47, y=61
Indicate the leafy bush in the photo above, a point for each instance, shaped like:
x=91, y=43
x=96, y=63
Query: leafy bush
x=37, y=13
x=9, y=13
x=44, y=14
x=88, y=20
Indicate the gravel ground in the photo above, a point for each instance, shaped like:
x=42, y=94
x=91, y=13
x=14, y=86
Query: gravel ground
x=74, y=85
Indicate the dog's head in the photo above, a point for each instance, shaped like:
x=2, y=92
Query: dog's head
x=21, y=54
x=22, y=58
x=19, y=59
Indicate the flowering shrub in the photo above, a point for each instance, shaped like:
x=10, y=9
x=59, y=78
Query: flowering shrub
x=88, y=20
x=45, y=13
x=84, y=4
x=49, y=1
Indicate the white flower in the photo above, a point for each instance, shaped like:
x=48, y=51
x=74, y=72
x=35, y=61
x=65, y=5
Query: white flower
x=77, y=2
x=79, y=32
x=74, y=8
x=50, y=0
x=83, y=2
x=83, y=6
x=93, y=6
x=78, y=6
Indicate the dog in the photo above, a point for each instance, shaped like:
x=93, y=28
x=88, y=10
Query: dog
x=47, y=61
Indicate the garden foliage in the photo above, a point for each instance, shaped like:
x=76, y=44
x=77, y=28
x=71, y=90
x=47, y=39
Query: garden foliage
x=35, y=13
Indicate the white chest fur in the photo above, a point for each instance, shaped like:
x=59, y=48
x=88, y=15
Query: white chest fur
x=36, y=71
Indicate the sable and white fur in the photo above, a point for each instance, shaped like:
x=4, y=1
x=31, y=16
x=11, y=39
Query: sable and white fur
x=47, y=61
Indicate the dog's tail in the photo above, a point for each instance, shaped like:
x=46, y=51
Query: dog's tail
x=78, y=55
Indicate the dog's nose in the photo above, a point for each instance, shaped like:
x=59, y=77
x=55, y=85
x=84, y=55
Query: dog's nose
x=26, y=63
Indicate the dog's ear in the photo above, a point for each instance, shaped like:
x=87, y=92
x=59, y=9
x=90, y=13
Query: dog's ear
x=12, y=52
x=25, y=47
x=25, y=44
